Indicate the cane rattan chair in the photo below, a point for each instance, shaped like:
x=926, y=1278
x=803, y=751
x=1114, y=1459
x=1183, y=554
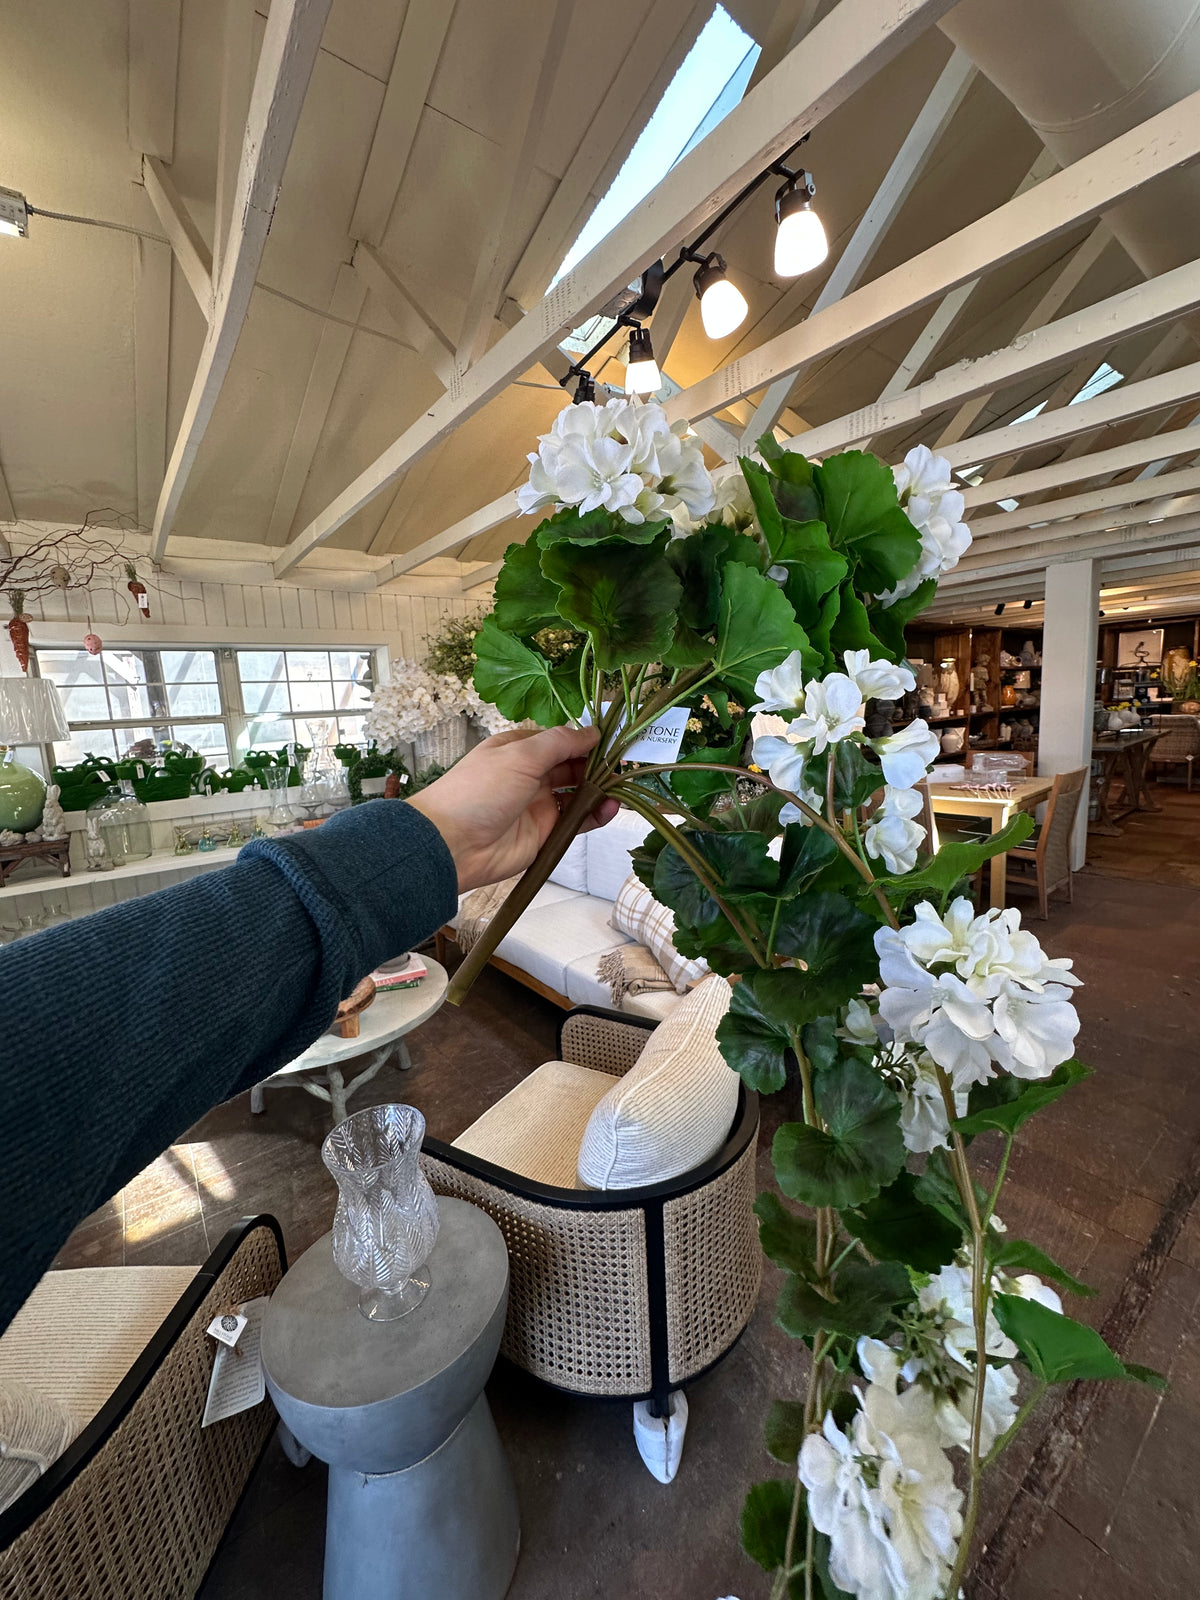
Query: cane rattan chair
x=1179, y=745
x=1048, y=853
x=136, y=1505
x=623, y=1292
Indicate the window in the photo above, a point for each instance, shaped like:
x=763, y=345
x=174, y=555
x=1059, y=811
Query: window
x=220, y=702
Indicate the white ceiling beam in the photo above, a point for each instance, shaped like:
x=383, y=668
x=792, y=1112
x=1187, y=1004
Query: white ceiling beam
x=658, y=48
x=487, y=574
x=345, y=302
x=1118, y=534
x=417, y=328
x=898, y=183
x=422, y=37
x=151, y=365
x=7, y=510
x=948, y=311
x=1059, y=290
x=1167, y=350
x=153, y=63
x=528, y=100
x=1041, y=512
x=289, y=51
x=1146, y=304
x=237, y=77
x=1063, y=393
x=1158, y=448
x=186, y=240
x=840, y=54
x=1088, y=187
x=460, y=533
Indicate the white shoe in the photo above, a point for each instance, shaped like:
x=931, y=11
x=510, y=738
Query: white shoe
x=660, y=1439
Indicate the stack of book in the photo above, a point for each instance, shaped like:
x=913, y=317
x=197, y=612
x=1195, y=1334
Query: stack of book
x=401, y=972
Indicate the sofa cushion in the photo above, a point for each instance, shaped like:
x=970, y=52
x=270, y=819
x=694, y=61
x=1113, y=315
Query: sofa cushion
x=583, y=987
x=536, y=1128
x=35, y=1429
x=571, y=871
x=548, y=895
x=651, y=924
x=548, y=938
x=656, y=1003
x=674, y=1107
x=608, y=863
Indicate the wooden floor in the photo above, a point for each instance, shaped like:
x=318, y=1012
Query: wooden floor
x=1154, y=846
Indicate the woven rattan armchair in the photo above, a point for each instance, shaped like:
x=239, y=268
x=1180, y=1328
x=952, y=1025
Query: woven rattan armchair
x=623, y=1292
x=135, y=1507
x=1179, y=745
x=1048, y=853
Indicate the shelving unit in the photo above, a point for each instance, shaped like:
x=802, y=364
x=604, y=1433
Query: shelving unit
x=968, y=648
x=163, y=864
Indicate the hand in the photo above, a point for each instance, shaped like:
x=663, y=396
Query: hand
x=495, y=808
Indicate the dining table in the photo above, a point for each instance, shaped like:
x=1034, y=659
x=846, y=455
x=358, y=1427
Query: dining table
x=1124, y=755
x=999, y=803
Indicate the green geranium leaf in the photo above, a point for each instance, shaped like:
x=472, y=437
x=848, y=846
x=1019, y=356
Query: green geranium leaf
x=699, y=789
x=796, y=539
x=791, y=480
x=861, y=1153
x=955, y=861
x=1059, y=1349
x=852, y=630
x=625, y=596
x=697, y=561
x=806, y=854
x=1015, y=1256
x=866, y=1298
x=785, y=1430
x=862, y=512
x=593, y=527
x=835, y=940
x=897, y=1225
x=820, y=632
x=855, y=779
x=756, y=630
x=1009, y=1115
x=787, y=1240
x=821, y=1043
x=754, y=1046
x=644, y=858
x=521, y=682
x=889, y=622
x=526, y=600
x=765, y=1519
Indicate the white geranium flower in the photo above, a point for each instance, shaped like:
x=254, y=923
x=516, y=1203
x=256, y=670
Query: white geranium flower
x=941, y=1014
x=1038, y=1029
x=884, y=1492
x=955, y=1408
x=892, y=833
x=734, y=501
x=858, y=1024
x=878, y=680
x=907, y=756
x=923, y=1120
x=595, y=473
x=935, y=508
x=1028, y=1286
x=946, y=1300
x=782, y=688
x=832, y=712
x=793, y=813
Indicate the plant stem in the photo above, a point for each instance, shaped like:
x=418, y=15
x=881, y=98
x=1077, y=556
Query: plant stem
x=1017, y=1423
x=1001, y=1174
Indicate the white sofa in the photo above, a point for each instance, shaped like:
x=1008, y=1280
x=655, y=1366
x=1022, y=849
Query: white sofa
x=556, y=945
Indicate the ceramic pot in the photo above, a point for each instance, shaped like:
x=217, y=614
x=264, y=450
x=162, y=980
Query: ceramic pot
x=952, y=741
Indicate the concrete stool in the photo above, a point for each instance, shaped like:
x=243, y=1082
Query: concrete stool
x=421, y=1498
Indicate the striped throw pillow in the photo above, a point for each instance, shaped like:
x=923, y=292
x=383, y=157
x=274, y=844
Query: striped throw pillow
x=649, y=923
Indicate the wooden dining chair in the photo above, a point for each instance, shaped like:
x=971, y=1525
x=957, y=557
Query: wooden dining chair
x=1048, y=851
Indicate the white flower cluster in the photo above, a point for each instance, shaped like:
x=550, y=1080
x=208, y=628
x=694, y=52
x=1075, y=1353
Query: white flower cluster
x=935, y=508
x=976, y=993
x=489, y=717
x=415, y=701
x=824, y=712
x=624, y=457
x=912, y=1073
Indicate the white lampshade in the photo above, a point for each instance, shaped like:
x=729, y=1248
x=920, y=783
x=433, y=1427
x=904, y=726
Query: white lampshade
x=642, y=375
x=31, y=712
x=722, y=308
x=800, y=243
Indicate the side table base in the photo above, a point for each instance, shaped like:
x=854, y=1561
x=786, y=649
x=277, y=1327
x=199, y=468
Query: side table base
x=447, y=1526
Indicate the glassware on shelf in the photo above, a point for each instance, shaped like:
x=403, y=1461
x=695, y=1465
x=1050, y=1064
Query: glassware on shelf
x=387, y=1221
x=124, y=824
x=283, y=816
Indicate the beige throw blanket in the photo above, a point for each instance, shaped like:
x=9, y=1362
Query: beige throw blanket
x=478, y=909
x=631, y=970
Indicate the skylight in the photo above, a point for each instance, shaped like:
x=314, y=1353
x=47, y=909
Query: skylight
x=1104, y=377
x=698, y=97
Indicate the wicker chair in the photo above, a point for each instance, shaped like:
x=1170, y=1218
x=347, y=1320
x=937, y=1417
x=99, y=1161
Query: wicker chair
x=1179, y=745
x=135, y=1507
x=1048, y=853
x=627, y=1292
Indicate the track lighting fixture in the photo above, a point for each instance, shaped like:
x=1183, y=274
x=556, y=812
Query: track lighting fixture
x=585, y=389
x=14, y=214
x=800, y=242
x=722, y=305
x=1000, y=609
x=1029, y=605
x=641, y=374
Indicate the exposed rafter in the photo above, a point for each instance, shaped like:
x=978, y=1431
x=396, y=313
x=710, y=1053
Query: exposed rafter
x=151, y=364
x=289, y=51
x=1034, y=515
x=840, y=54
x=1159, y=447
x=417, y=328
x=1167, y=350
x=237, y=77
x=484, y=575
x=187, y=242
x=898, y=182
x=460, y=533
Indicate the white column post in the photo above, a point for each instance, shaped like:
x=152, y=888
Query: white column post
x=1069, y=679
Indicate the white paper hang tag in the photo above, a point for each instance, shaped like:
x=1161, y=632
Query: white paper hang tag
x=659, y=743
x=237, y=1381
x=227, y=1328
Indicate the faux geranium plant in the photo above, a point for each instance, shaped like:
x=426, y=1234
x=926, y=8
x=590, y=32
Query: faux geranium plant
x=913, y=1022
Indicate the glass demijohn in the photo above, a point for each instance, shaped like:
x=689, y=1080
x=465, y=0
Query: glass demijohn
x=123, y=823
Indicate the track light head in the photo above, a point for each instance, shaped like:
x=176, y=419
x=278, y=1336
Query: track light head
x=642, y=375
x=1000, y=609
x=800, y=242
x=1029, y=605
x=722, y=305
x=585, y=389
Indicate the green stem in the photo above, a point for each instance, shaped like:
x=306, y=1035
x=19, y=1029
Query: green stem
x=1001, y=1174
x=1017, y=1423
x=774, y=928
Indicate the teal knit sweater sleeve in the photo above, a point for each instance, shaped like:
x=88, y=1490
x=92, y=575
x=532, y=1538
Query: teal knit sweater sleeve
x=121, y=1029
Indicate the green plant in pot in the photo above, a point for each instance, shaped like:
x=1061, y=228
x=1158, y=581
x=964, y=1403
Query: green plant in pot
x=915, y=1024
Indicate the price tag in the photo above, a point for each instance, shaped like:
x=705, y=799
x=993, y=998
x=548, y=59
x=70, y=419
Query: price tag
x=659, y=743
x=227, y=1328
x=237, y=1381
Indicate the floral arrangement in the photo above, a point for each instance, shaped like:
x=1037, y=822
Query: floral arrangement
x=452, y=649
x=913, y=1023
x=415, y=701
x=1184, y=682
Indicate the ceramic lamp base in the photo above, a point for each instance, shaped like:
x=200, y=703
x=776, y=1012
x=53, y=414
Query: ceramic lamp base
x=22, y=797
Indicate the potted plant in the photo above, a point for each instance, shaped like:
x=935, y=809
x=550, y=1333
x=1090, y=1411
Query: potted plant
x=422, y=708
x=914, y=1023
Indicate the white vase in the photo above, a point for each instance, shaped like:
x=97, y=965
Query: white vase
x=949, y=685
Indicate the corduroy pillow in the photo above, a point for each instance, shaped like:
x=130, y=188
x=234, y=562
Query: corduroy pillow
x=649, y=923
x=674, y=1107
x=34, y=1432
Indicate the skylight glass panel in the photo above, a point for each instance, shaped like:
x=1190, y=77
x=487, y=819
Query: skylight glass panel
x=1104, y=377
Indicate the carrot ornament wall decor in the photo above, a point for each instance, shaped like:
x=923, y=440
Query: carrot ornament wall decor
x=137, y=589
x=18, y=628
